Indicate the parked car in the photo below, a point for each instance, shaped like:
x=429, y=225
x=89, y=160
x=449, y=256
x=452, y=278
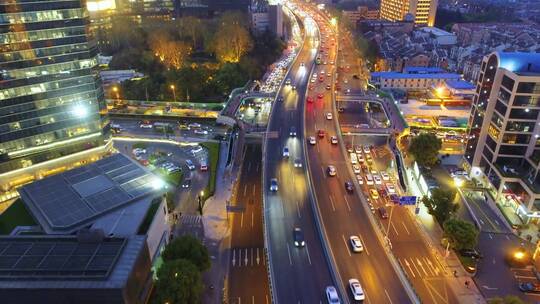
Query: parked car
x=383, y=213
x=529, y=287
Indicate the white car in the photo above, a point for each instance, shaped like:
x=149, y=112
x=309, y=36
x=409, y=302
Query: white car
x=312, y=140
x=377, y=180
x=345, y=80
x=145, y=126
x=332, y=295
x=312, y=80
x=334, y=140
x=356, y=244
x=358, y=149
x=390, y=188
x=360, y=179
x=385, y=176
x=367, y=149
x=356, y=290
x=139, y=151
x=329, y=116
x=332, y=171
x=285, y=152
x=356, y=169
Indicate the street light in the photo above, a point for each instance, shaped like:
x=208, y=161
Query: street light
x=173, y=88
x=199, y=199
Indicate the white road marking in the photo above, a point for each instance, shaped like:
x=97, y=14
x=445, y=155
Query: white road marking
x=416, y=267
x=253, y=192
x=308, y=256
x=252, y=299
x=289, y=252
x=242, y=220
x=346, y=245
x=258, y=258
x=245, y=190
x=410, y=268
x=388, y=296
x=421, y=266
x=364, y=243
x=246, y=257
x=346, y=201
x=298, y=210
x=332, y=201
x=257, y=168
x=249, y=166
x=404, y=226
x=395, y=230
x=252, y=219
x=234, y=257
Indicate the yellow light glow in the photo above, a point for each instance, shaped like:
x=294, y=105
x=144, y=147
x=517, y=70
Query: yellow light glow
x=333, y=21
x=439, y=90
x=518, y=255
x=458, y=182
x=100, y=5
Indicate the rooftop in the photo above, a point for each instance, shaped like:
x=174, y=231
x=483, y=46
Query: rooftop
x=519, y=62
x=420, y=70
x=459, y=85
x=418, y=75
x=67, y=261
x=71, y=200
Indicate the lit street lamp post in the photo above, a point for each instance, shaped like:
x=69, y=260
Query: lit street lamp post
x=173, y=88
x=199, y=198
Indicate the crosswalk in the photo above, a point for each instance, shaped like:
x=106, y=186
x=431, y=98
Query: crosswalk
x=191, y=220
x=247, y=257
x=421, y=267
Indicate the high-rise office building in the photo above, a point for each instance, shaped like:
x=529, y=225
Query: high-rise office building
x=422, y=11
x=503, y=148
x=53, y=114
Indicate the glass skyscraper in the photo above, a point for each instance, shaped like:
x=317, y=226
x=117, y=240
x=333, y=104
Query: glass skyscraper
x=53, y=114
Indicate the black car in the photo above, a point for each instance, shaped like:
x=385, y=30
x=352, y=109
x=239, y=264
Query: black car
x=298, y=237
x=280, y=99
x=292, y=132
x=349, y=186
x=529, y=287
x=471, y=253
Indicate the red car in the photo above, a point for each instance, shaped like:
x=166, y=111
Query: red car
x=321, y=78
x=320, y=133
x=309, y=99
x=310, y=87
x=320, y=95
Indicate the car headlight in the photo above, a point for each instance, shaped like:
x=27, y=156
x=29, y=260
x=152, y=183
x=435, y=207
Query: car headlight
x=295, y=243
x=303, y=243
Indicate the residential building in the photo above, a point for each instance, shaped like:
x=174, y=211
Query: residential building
x=441, y=37
x=503, y=148
x=266, y=17
x=101, y=230
x=361, y=13
x=412, y=79
x=422, y=11
x=53, y=114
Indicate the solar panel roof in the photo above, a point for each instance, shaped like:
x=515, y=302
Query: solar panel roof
x=56, y=258
x=66, y=201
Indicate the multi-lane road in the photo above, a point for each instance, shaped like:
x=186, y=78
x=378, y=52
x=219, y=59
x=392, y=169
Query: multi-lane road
x=299, y=274
x=247, y=270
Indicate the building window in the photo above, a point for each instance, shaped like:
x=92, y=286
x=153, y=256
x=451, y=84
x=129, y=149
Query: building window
x=508, y=83
x=528, y=87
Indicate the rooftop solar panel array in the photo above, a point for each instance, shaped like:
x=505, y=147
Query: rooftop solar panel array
x=73, y=197
x=50, y=258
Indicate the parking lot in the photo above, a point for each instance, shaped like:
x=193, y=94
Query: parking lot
x=156, y=158
x=362, y=114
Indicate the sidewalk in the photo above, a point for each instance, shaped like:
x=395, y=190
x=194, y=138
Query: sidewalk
x=216, y=230
x=433, y=234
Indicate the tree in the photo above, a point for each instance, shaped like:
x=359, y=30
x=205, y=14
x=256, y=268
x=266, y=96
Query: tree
x=425, y=149
x=506, y=300
x=232, y=40
x=440, y=204
x=178, y=281
x=172, y=53
x=193, y=28
x=189, y=248
x=461, y=234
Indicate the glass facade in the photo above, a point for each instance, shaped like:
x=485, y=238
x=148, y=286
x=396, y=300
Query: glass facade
x=51, y=100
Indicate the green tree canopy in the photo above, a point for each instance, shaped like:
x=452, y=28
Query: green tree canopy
x=441, y=204
x=425, y=149
x=189, y=248
x=178, y=281
x=461, y=234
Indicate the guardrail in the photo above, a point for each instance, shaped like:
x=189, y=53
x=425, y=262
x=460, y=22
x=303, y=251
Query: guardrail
x=273, y=292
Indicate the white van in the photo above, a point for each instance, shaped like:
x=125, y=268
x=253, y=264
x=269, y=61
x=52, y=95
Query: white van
x=354, y=158
x=369, y=179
